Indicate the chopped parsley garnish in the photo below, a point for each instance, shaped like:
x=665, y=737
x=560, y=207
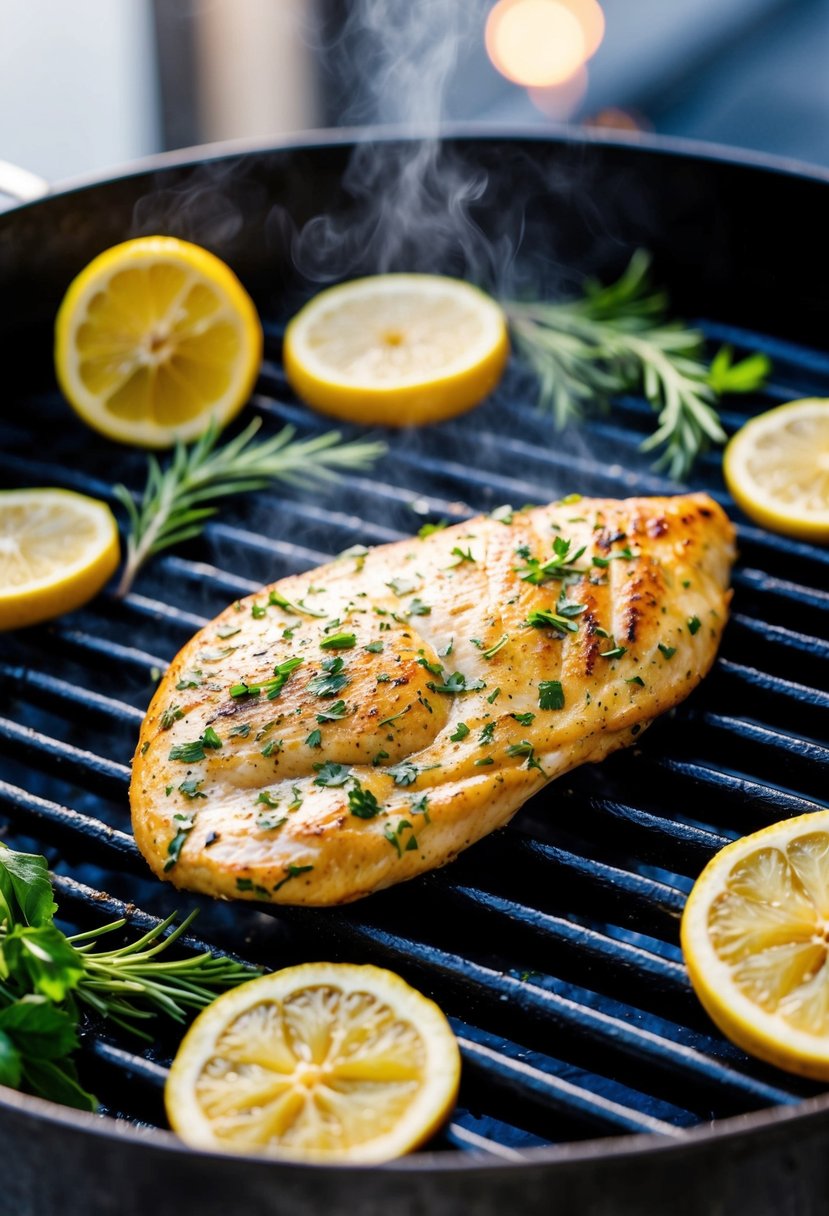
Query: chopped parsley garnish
x=545, y=618
x=171, y=715
x=210, y=738
x=188, y=753
x=331, y=680
x=267, y=799
x=550, y=694
x=493, y=696
x=394, y=717
x=404, y=773
x=339, y=641
x=430, y=529
x=241, y=731
x=418, y=608
x=484, y=761
x=456, y=683
x=601, y=633
x=379, y=758
x=330, y=774
x=257, y=611
x=362, y=803
x=292, y=871
x=524, y=748
x=393, y=835
x=561, y=564
x=667, y=651
x=314, y=739
x=267, y=823
x=296, y=801
x=334, y=712
x=190, y=788
x=273, y=745
x=463, y=555
x=279, y=601
x=693, y=624
x=623, y=554
x=636, y=680
x=186, y=824
x=491, y=651
x=420, y=806
x=461, y=731
x=272, y=688
x=524, y=719
x=435, y=668
x=374, y=647
x=450, y=646
x=486, y=734
x=615, y=653
x=190, y=679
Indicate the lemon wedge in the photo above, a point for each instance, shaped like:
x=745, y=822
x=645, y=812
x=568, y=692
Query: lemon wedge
x=397, y=349
x=57, y=549
x=154, y=339
x=320, y=1062
x=777, y=469
x=755, y=935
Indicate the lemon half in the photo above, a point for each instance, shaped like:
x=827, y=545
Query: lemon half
x=321, y=1062
x=777, y=469
x=755, y=935
x=397, y=349
x=154, y=339
x=57, y=549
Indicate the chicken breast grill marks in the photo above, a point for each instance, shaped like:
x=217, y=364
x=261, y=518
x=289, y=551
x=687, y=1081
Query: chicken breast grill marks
x=351, y=727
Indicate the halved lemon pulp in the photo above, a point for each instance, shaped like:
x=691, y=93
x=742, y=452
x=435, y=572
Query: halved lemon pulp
x=57, y=549
x=755, y=935
x=154, y=339
x=397, y=349
x=325, y=1061
x=777, y=469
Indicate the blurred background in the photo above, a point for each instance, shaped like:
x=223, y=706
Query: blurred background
x=88, y=84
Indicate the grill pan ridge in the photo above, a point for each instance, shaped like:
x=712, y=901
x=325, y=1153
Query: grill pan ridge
x=592, y=1078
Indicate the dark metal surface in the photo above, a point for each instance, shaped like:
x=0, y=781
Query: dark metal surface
x=552, y=945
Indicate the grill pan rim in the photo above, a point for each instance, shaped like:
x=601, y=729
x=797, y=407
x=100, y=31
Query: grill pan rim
x=337, y=137
x=805, y=1115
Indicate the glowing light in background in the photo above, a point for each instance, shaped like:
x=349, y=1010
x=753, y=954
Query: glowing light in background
x=544, y=45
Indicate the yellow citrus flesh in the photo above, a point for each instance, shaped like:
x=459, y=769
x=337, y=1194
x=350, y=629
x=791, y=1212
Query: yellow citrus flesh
x=755, y=935
x=154, y=339
x=57, y=549
x=397, y=349
x=777, y=469
x=320, y=1062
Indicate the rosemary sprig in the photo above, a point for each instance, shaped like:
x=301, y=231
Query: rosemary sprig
x=172, y=507
x=617, y=339
x=131, y=984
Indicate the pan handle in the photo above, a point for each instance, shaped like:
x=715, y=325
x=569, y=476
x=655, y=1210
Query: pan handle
x=20, y=184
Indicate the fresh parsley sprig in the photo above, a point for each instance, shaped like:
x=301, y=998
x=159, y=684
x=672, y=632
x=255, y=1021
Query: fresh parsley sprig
x=173, y=506
x=46, y=977
x=618, y=339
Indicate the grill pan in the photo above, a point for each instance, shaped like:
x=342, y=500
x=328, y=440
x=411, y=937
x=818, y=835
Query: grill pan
x=593, y=1081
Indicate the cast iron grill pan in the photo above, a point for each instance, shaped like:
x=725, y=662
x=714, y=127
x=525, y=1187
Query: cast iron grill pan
x=552, y=945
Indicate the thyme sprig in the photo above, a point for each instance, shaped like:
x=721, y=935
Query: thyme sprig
x=617, y=339
x=177, y=501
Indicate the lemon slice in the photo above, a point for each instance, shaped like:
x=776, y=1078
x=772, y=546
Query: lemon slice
x=154, y=339
x=323, y=1062
x=755, y=935
x=57, y=549
x=777, y=469
x=397, y=349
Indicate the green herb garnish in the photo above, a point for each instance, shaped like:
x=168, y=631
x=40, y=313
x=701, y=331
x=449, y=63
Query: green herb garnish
x=618, y=339
x=173, y=505
x=550, y=694
x=362, y=803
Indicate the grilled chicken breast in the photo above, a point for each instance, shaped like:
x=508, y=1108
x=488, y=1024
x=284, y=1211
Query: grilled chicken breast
x=351, y=727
